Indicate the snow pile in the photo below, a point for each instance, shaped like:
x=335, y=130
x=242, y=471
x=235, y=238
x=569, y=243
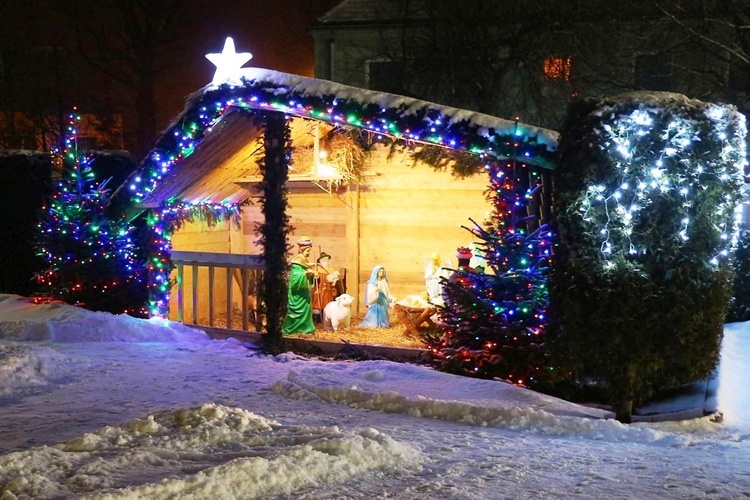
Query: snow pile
x=58, y=322
x=113, y=413
x=208, y=452
x=734, y=368
x=398, y=389
x=24, y=368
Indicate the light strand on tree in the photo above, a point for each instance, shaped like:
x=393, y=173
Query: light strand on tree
x=494, y=323
x=90, y=258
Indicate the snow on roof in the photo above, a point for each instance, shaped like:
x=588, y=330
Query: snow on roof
x=646, y=98
x=389, y=115
x=312, y=86
x=289, y=87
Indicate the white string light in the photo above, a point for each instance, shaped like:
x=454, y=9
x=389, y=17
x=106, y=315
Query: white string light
x=673, y=167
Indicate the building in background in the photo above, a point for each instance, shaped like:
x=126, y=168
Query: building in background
x=532, y=58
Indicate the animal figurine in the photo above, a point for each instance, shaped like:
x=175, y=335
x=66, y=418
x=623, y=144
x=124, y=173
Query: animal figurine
x=337, y=313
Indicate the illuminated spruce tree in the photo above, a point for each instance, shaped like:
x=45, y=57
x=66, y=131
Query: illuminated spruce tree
x=494, y=322
x=90, y=258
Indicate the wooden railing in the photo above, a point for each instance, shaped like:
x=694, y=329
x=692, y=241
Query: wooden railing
x=245, y=270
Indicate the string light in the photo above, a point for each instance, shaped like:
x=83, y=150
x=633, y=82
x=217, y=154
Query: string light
x=662, y=161
x=494, y=323
x=89, y=256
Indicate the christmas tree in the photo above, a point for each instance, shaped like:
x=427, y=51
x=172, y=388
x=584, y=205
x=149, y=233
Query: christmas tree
x=91, y=259
x=493, y=323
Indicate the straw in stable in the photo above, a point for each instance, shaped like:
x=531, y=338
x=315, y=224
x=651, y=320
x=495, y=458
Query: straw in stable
x=393, y=336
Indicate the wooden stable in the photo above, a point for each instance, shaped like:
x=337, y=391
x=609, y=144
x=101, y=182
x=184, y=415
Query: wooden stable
x=400, y=213
x=385, y=207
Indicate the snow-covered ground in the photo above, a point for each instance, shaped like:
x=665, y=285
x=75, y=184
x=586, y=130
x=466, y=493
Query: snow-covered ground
x=100, y=406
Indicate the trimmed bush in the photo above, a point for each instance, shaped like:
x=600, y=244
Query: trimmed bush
x=646, y=191
x=25, y=187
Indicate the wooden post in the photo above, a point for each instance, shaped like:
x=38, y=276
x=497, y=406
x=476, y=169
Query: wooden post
x=229, y=298
x=257, y=278
x=180, y=294
x=275, y=169
x=211, y=295
x=244, y=287
x=195, y=294
x=352, y=246
x=546, y=195
x=532, y=208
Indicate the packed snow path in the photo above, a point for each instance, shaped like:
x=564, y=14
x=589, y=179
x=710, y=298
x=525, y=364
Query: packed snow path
x=92, y=405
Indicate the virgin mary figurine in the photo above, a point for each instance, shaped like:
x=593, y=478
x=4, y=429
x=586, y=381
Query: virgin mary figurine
x=377, y=299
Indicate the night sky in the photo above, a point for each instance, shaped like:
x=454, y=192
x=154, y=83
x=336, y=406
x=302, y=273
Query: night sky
x=274, y=31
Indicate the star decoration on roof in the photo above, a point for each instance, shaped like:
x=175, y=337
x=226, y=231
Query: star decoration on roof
x=228, y=64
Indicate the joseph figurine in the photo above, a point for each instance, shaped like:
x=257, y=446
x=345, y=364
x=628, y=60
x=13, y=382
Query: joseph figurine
x=299, y=317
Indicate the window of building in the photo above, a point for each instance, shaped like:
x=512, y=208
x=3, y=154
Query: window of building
x=652, y=72
x=385, y=76
x=558, y=68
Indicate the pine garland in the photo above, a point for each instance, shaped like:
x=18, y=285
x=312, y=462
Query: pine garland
x=274, y=231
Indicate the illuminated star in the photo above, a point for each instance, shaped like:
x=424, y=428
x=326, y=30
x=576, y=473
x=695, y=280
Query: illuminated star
x=228, y=64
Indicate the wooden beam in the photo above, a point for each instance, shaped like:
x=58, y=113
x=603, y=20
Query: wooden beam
x=219, y=259
x=352, y=246
x=195, y=294
x=257, y=179
x=229, y=297
x=211, y=295
x=180, y=294
x=244, y=287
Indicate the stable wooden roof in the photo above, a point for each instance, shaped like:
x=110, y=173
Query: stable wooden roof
x=211, y=149
x=224, y=169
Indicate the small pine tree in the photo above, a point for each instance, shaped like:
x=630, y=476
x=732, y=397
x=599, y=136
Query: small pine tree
x=494, y=323
x=90, y=258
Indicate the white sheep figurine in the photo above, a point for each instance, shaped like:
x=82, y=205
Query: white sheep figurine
x=337, y=314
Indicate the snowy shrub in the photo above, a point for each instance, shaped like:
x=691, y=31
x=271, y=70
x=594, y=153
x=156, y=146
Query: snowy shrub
x=26, y=179
x=646, y=191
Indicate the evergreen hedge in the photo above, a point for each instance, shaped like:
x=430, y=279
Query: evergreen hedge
x=25, y=186
x=645, y=197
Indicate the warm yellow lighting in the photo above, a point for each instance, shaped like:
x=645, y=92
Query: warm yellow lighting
x=557, y=68
x=326, y=171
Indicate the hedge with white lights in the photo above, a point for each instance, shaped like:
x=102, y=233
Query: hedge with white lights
x=646, y=192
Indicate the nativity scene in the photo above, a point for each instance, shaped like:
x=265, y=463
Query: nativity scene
x=380, y=181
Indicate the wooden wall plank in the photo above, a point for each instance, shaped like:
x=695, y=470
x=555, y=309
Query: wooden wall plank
x=403, y=212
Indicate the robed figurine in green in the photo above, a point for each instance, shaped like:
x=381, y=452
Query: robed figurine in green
x=299, y=318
